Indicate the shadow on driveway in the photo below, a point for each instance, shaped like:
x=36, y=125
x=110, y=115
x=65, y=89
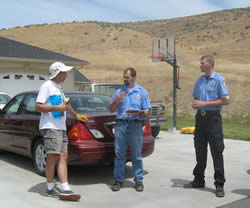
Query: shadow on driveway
x=244, y=192
x=77, y=175
x=243, y=203
x=89, y=175
x=85, y=175
x=17, y=160
x=179, y=183
x=40, y=189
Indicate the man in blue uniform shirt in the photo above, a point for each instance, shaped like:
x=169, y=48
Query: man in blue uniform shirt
x=209, y=95
x=129, y=128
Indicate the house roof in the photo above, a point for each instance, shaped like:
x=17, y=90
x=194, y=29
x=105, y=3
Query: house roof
x=14, y=49
x=79, y=77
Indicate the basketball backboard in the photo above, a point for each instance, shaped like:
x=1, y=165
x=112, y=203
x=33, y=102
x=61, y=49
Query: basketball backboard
x=163, y=49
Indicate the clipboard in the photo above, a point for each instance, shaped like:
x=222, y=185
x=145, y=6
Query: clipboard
x=131, y=110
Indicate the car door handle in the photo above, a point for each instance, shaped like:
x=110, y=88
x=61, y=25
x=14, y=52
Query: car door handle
x=18, y=123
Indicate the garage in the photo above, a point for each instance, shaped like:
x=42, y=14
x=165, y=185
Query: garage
x=25, y=67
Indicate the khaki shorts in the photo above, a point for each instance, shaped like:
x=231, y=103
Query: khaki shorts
x=55, y=141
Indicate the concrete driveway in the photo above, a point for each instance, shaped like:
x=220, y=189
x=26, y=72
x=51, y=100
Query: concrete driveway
x=166, y=171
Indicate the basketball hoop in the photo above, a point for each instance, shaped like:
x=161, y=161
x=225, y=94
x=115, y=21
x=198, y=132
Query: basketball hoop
x=157, y=58
x=163, y=49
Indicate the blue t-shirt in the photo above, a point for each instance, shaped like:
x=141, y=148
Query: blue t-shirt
x=136, y=98
x=210, y=89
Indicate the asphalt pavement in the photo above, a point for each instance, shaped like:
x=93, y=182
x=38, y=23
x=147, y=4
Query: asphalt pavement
x=166, y=170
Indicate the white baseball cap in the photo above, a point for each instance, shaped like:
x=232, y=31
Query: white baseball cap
x=57, y=67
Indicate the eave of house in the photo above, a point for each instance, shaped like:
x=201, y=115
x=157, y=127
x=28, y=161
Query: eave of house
x=76, y=64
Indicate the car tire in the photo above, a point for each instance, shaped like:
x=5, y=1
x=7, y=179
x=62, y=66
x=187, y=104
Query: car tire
x=155, y=130
x=39, y=157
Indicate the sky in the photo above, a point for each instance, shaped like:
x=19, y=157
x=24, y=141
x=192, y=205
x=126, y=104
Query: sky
x=26, y=12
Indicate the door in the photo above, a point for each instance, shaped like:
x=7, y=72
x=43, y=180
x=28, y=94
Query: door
x=26, y=125
x=7, y=122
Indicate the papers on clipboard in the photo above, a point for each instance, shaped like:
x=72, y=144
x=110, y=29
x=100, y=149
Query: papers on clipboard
x=131, y=111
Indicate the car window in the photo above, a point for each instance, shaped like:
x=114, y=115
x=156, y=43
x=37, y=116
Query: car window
x=28, y=105
x=14, y=105
x=83, y=103
x=4, y=99
x=107, y=89
x=87, y=88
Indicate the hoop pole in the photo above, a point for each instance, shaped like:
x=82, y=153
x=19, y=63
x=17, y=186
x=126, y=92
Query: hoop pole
x=174, y=92
x=174, y=51
x=159, y=47
x=153, y=45
x=167, y=46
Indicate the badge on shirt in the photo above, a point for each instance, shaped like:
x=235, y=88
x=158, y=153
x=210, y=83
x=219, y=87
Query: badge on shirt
x=213, y=83
x=224, y=83
x=138, y=97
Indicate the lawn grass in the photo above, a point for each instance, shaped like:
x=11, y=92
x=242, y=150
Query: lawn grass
x=236, y=127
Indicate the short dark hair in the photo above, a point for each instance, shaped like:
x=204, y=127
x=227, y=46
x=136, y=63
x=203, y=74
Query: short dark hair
x=131, y=70
x=209, y=59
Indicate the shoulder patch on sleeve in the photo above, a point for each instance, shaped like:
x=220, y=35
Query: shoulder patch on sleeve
x=224, y=83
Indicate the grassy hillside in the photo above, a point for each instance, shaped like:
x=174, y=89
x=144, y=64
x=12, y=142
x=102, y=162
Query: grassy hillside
x=110, y=48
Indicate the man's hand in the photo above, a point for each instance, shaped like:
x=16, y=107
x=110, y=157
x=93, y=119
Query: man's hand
x=120, y=97
x=83, y=118
x=198, y=103
x=62, y=107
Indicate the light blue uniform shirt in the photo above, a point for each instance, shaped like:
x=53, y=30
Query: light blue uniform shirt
x=137, y=99
x=210, y=89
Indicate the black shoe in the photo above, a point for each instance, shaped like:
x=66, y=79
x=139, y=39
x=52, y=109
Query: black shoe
x=139, y=186
x=219, y=191
x=53, y=192
x=69, y=195
x=194, y=184
x=117, y=186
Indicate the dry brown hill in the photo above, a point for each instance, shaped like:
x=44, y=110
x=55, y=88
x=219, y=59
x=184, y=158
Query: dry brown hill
x=225, y=34
x=112, y=47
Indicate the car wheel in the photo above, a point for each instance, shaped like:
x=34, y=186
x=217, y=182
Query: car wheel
x=39, y=157
x=155, y=130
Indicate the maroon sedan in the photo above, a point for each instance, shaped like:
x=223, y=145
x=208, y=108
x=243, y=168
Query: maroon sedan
x=89, y=143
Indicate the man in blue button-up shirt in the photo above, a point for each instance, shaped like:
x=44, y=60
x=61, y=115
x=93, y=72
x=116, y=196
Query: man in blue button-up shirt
x=129, y=127
x=209, y=95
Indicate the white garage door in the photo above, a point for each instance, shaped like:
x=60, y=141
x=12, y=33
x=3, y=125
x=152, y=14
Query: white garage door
x=14, y=83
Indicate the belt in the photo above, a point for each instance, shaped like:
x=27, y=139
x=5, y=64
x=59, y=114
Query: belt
x=128, y=120
x=208, y=113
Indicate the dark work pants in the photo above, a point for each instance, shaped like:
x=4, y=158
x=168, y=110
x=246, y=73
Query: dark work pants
x=208, y=130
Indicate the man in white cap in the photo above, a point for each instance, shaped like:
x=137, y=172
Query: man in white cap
x=52, y=104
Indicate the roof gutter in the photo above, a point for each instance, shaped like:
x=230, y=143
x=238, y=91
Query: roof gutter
x=76, y=64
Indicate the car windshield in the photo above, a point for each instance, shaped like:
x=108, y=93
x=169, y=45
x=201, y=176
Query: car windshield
x=107, y=89
x=4, y=99
x=83, y=103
